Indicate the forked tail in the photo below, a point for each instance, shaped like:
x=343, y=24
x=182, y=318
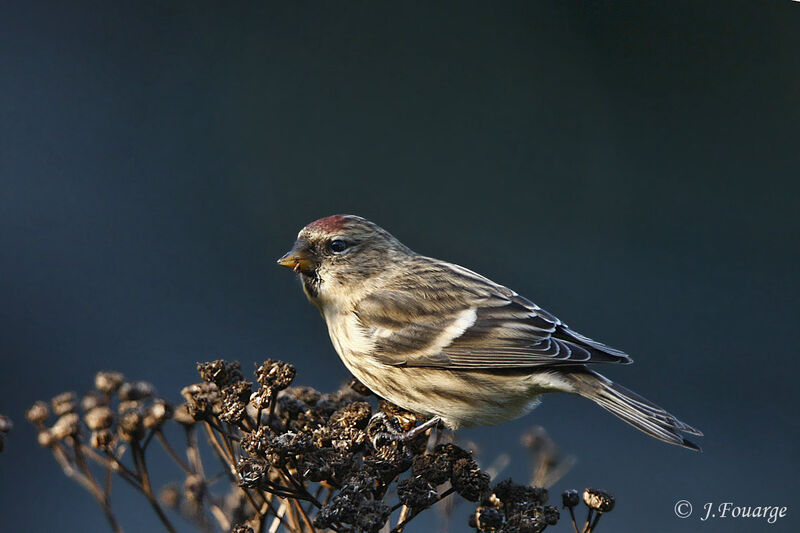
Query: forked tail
x=639, y=412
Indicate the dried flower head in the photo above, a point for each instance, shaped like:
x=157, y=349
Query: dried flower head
x=93, y=399
x=64, y=403
x=66, y=426
x=416, y=493
x=135, y=390
x=183, y=416
x=170, y=496
x=108, y=381
x=468, y=480
x=220, y=372
x=45, y=438
x=202, y=400
x=102, y=439
x=512, y=494
x=37, y=413
x=251, y=471
x=599, y=500
x=5, y=424
x=158, y=412
x=131, y=424
x=99, y=418
x=275, y=375
x=570, y=498
x=486, y=518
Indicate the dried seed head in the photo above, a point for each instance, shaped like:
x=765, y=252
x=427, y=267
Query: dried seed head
x=551, y=515
x=255, y=442
x=102, y=439
x=275, y=375
x=64, y=403
x=99, y=418
x=416, y=493
x=135, y=390
x=234, y=401
x=37, y=413
x=5, y=424
x=511, y=494
x=435, y=468
x=131, y=424
x=203, y=400
x=220, y=372
x=194, y=488
x=108, y=381
x=468, y=480
x=251, y=472
x=307, y=395
x=524, y=523
x=170, y=496
x=93, y=399
x=66, y=426
x=570, y=498
x=182, y=415
x=129, y=404
x=286, y=446
x=241, y=528
x=45, y=438
x=599, y=500
x=372, y=515
x=157, y=413
x=486, y=519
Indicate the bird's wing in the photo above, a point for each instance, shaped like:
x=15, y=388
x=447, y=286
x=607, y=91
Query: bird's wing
x=443, y=315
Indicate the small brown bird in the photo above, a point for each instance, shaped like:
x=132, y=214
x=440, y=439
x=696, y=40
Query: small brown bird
x=444, y=342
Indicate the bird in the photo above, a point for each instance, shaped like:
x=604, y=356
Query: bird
x=447, y=343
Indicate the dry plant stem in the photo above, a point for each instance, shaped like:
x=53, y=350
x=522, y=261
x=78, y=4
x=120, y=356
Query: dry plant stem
x=124, y=472
x=171, y=452
x=141, y=468
x=594, y=523
x=589, y=517
x=228, y=464
x=94, y=489
x=574, y=524
x=111, y=465
x=403, y=515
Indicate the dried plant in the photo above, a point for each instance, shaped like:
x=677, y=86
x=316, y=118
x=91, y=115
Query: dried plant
x=5, y=426
x=275, y=457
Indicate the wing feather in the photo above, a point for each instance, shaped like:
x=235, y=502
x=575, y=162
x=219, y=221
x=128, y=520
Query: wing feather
x=446, y=316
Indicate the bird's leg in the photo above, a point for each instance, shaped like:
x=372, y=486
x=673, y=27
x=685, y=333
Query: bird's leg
x=420, y=429
x=394, y=433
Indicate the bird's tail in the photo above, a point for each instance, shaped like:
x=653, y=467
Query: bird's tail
x=639, y=412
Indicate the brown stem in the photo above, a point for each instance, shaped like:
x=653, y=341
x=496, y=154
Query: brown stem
x=594, y=522
x=147, y=489
x=589, y=516
x=171, y=452
x=574, y=524
x=94, y=488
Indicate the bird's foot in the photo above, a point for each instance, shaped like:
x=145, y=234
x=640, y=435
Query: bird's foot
x=389, y=430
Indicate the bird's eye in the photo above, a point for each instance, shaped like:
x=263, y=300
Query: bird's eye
x=337, y=246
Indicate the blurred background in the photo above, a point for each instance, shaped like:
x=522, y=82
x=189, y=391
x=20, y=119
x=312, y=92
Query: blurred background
x=631, y=168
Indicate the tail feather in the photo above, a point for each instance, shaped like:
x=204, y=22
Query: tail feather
x=639, y=412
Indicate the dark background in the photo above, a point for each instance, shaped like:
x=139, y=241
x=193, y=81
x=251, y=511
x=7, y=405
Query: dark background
x=632, y=168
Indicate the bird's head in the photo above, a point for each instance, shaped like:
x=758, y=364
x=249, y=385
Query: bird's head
x=341, y=253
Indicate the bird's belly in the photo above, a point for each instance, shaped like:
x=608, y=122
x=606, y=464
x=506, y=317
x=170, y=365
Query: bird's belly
x=459, y=398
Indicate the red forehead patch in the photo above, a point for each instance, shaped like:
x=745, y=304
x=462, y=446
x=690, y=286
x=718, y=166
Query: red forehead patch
x=329, y=224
